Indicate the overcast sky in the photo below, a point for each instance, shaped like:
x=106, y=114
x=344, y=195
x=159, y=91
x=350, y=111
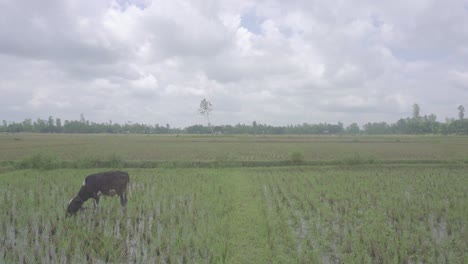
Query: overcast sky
x=276, y=62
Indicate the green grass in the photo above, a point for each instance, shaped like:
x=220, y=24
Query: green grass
x=359, y=214
x=246, y=224
x=157, y=148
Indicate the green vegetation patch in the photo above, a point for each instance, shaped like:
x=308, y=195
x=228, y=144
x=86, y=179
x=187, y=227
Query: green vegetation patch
x=354, y=214
x=89, y=150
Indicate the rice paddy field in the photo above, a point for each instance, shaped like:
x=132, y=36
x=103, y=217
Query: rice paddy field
x=323, y=199
x=235, y=148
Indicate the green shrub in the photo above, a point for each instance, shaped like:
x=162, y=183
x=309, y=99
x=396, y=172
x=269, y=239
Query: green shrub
x=297, y=158
x=356, y=159
x=40, y=160
x=87, y=163
x=115, y=161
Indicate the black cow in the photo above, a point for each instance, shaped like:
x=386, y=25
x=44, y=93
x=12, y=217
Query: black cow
x=105, y=183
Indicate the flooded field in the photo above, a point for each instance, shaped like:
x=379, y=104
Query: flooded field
x=360, y=214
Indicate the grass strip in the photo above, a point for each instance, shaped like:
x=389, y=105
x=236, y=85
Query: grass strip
x=49, y=163
x=246, y=222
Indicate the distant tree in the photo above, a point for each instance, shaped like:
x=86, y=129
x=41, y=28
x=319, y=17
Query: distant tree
x=377, y=128
x=417, y=124
x=82, y=118
x=340, y=127
x=58, y=125
x=254, y=127
x=15, y=127
x=443, y=129
x=353, y=129
x=416, y=110
x=205, y=108
x=40, y=125
x=197, y=129
x=461, y=112
x=432, y=124
x=27, y=124
x=50, y=125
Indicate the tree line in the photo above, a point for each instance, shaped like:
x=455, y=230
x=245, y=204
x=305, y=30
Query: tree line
x=416, y=124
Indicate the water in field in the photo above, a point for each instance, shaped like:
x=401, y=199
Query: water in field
x=373, y=214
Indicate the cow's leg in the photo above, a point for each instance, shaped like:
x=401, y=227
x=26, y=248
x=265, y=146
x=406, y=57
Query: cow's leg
x=123, y=199
x=96, y=201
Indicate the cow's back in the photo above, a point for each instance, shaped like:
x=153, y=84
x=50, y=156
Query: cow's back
x=105, y=181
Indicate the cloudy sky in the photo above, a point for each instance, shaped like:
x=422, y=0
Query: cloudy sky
x=273, y=61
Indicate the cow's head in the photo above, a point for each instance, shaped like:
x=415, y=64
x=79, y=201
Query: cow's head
x=74, y=205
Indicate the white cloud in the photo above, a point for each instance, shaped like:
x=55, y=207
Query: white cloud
x=459, y=78
x=272, y=61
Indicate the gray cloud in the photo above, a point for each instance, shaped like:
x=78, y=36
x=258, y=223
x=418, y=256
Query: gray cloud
x=269, y=61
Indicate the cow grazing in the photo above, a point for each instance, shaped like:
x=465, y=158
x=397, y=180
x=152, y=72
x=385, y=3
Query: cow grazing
x=104, y=183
